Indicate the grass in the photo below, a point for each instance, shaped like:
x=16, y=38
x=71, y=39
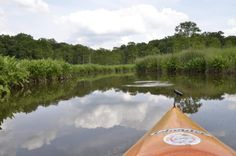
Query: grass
x=193, y=61
x=17, y=73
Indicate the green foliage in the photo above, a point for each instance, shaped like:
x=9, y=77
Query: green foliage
x=192, y=61
x=186, y=51
x=187, y=36
x=149, y=64
x=187, y=29
x=16, y=73
x=12, y=74
x=171, y=63
x=98, y=69
x=207, y=60
x=196, y=65
x=42, y=70
x=217, y=64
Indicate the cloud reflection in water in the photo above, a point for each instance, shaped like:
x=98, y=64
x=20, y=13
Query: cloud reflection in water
x=101, y=123
x=111, y=108
x=105, y=113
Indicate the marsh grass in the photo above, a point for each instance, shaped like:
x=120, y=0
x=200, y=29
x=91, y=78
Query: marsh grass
x=194, y=61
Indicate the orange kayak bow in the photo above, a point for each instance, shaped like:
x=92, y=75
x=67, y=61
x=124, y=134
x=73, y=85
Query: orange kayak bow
x=177, y=135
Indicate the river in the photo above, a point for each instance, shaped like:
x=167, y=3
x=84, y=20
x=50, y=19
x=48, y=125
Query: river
x=105, y=115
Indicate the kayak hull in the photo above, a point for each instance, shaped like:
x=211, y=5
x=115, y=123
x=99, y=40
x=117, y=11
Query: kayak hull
x=177, y=135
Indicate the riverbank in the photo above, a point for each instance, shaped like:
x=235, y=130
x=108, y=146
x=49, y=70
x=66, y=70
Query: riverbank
x=17, y=73
x=193, y=61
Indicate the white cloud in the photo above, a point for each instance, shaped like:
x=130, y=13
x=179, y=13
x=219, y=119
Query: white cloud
x=106, y=116
x=232, y=99
x=108, y=28
x=4, y=29
x=230, y=31
x=33, y=5
x=229, y=97
x=2, y=22
x=232, y=22
x=38, y=140
x=102, y=113
x=232, y=106
x=232, y=27
x=7, y=143
x=104, y=109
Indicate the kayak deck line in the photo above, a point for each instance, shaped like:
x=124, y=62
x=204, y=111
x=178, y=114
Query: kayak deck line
x=172, y=136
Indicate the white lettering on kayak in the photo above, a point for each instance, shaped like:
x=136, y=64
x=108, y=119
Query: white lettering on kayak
x=187, y=130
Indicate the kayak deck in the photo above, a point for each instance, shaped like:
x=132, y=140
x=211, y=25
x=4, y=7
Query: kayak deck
x=177, y=135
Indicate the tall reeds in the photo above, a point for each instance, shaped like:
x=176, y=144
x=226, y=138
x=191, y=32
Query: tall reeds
x=194, y=61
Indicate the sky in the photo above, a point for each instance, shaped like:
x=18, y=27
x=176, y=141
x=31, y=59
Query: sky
x=111, y=23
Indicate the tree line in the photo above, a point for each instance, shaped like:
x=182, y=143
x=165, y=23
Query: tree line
x=187, y=36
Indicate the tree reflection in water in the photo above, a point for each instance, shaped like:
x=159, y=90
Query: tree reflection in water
x=189, y=105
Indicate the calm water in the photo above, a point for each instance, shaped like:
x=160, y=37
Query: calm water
x=103, y=116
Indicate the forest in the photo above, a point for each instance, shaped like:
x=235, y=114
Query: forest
x=187, y=36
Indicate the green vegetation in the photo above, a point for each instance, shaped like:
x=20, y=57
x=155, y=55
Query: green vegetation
x=190, y=51
x=187, y=36
x=195, y=61
x=12, y=74
x=24, y=59
x=16, y=73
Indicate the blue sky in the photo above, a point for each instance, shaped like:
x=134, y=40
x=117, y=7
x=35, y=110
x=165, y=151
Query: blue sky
x=106, y=23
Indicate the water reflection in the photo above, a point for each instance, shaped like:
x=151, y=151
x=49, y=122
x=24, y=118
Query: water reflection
x=104, y=117
x=29, y=99
x=39, y=139
x=190, y=105
x=111, y=108
x=150, y=84
x=93, y=120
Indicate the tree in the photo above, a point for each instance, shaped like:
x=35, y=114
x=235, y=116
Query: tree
x=180, y=43
x=214, y=36
x=187, y=29
x=154, y=51
x=197, y=42
x=213, y=42
x=132, y=52
x=141, y=47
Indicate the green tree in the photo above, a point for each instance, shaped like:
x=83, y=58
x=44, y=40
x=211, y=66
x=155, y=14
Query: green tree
x=132, y=52
x=141, y=47
x=197, y=42
x=187, y=29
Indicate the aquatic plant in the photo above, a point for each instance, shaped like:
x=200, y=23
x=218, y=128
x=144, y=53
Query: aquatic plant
x=16, y=73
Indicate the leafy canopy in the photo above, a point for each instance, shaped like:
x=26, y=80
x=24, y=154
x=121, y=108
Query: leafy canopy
x=187, y=29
